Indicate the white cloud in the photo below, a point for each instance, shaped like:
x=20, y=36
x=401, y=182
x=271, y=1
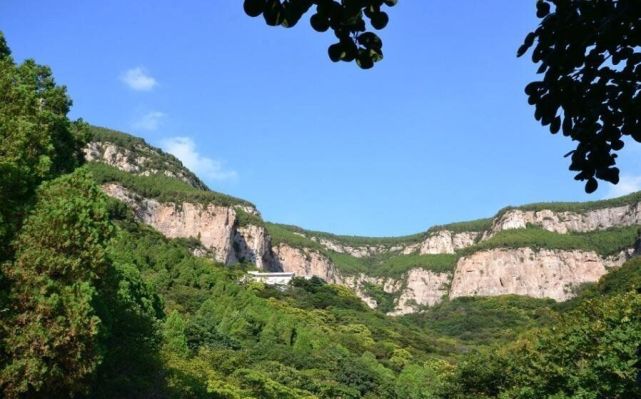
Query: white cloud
x=184, y=149
x=149, y=121
x=138, y=79
x=626, y=185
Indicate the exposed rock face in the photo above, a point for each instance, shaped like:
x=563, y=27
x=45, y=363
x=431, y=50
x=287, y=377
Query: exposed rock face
x=564, y=222
x=446, y=242
x=356, y=251
x=524, y=271
x=214, y=226
x=113, y=155
x=253, y=245
x=439, y=242
x=303, y=262
x=421, y=288
x=416, y=288
x=144, y=161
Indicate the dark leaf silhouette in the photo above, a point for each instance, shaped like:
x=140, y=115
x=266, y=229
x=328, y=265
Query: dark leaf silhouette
x=589, y=57
x=346, y=18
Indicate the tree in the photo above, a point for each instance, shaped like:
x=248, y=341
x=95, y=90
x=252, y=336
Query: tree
x=589, y=54
x=344, y=18
x=39, y=142
x=53, y=334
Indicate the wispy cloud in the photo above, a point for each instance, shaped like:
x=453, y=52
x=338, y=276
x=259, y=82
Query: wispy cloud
x=138, y=79
x=184, y=149
x=149, y=121
x=627, y=184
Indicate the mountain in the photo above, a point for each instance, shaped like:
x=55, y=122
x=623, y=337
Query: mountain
x=546, y=250
x=122, y=275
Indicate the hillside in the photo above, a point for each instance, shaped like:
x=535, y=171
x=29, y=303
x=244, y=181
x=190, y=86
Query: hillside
x=545, y=250
x=122, y=275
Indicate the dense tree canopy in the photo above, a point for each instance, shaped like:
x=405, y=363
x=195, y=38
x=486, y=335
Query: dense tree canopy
x=53, y=340
x=39, y=142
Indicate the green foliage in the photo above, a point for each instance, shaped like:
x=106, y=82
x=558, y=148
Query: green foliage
x=484, y=320
x=287, y=231
x=53, y=340
x=479, y=225
x=393, y=264
x=579, y=207
x=603, y=242
x=397, y=265
x=618, y=281
x=625, y=278
x=384, y=300
x=283, y=234
x=38, y=141
x=426, y=381
x=131, y=314
x=315, y=293
x=5, y=52
x=593, y=352
x=152, y=158
x=226, y=338
x=161, y=187
x=244, y=218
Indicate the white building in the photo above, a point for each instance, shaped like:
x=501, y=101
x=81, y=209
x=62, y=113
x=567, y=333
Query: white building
x=276, y=278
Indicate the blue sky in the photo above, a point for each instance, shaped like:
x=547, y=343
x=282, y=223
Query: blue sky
x=439, y=131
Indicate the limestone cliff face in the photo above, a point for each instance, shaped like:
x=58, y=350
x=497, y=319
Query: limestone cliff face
x=522, y=271
x=212, y=225
x=420, y=288
x=417, y=288
x=142, y=160
x=447, y=242
x=438, y=242
x=525, y=271
x=564, y=222
x=353, y=250
x=303, y=262
x=252, y=244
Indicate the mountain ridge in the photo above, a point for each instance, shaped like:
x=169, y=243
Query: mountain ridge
x=571, y=243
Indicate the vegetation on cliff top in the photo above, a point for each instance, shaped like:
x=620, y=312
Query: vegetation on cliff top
x=541, y=239
x=95, y=305
x=395, y=264
x=603, y=242
x=161, y=187
x=155, y=158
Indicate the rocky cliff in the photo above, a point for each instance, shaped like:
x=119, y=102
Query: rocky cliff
x=133, y=155
x=215, y=227
x=463, y=259
x=568, y=221
x=524, y=271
